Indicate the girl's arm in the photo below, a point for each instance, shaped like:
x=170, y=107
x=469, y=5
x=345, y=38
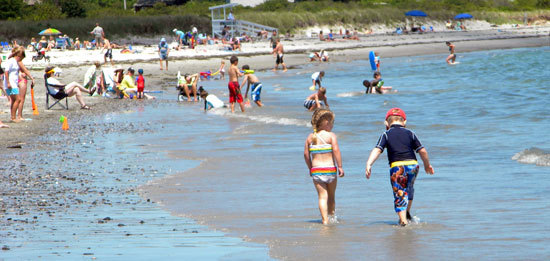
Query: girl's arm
x=7, y=77
x=374, y=154
x=24, y=69
x=306, y=154
x=336, y=155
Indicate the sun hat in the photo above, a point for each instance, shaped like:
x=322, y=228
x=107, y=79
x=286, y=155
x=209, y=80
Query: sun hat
x=140, y=71
x=163, y=39
x=396, y=112
x=174, y=30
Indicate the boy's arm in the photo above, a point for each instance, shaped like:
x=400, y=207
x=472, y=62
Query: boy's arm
x=426, y=160
x=325, y=100
x=374, y=154
x=245, y=80
x=337, y=155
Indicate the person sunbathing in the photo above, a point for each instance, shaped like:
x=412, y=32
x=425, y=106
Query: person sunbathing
x=60, y=91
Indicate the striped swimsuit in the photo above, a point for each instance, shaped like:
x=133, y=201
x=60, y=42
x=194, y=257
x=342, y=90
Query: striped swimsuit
x=324, y=174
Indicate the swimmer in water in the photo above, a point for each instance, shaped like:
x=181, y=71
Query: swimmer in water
x=376, y=85
x=324, y=161
x=452, y=56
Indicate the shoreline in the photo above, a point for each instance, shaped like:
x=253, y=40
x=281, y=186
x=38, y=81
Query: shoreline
x=148, y=54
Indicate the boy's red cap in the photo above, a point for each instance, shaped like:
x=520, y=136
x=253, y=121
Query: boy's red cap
x=396, y=112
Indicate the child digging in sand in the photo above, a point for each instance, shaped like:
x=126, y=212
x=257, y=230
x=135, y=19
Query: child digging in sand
x=233, y=85
x=402, y=144
x=256, y=85
x=324, y=161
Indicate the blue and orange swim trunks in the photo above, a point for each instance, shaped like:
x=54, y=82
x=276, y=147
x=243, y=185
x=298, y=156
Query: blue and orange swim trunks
x=402, y=177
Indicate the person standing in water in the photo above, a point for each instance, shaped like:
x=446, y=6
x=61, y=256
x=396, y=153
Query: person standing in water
x=401, y=143
x=324, y=162
x=279, y=52
x=452, y=57
x=233, y=85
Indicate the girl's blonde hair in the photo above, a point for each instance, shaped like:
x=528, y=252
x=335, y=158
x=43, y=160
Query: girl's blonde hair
x=18, y=51
x=317, y=119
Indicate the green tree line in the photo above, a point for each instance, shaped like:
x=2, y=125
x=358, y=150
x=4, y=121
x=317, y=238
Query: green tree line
x=59, y=9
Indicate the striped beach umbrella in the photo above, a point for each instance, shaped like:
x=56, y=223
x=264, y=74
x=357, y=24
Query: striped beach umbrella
x=50, y=31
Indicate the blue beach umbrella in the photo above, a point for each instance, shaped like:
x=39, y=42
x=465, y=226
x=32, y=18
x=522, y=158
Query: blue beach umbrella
x=416, y=13
x=463, y=16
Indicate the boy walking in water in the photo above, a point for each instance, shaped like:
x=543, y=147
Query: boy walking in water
x=452, y=56
x=402, y=144
x=256, y=85
x=234, y=88
x=279, y=51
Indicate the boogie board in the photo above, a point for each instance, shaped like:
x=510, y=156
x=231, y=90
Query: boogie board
x=372, y=62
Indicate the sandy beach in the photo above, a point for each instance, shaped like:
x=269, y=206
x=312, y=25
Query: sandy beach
x=27, y=191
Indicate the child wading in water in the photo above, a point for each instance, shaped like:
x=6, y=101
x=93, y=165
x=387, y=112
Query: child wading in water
x=233, y=85
x=402, y=144
x=321, y=154
x=256, y=85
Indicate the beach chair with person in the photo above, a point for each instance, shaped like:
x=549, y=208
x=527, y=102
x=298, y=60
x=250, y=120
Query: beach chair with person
x=55, y=96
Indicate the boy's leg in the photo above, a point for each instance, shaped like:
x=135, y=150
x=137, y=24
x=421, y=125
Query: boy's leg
x=259, y=103
x=242, y=106
x=398, y=180
x=232, y=105
x=323, y=198
x=412, y=172
x=160, y=64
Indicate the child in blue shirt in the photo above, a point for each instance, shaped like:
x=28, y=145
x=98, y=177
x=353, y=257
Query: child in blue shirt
x=401, y=144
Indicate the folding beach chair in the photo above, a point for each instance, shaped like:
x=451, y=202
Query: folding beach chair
x=60, y=43
x=48, y=94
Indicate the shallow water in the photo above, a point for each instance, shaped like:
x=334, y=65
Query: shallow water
x=472, y=117
x=478, y=119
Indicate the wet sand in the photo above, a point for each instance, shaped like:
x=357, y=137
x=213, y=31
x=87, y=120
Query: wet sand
x=35, y=187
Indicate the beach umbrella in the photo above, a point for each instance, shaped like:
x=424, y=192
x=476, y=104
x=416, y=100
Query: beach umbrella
x=463, y=16
x=50, y=31
x=416, y=13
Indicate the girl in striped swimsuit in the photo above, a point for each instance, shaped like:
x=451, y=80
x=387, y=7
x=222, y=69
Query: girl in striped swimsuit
x=323, y=159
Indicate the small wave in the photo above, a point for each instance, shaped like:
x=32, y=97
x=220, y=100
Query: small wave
x=263, y=118
x=349, y=94
x=533, y=156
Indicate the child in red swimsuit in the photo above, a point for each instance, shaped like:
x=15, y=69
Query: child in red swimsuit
x=140, y=84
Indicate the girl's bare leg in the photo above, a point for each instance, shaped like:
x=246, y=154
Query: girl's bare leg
x=14, y=106
x=22, y=93
x=331, y=201
x=323, y=198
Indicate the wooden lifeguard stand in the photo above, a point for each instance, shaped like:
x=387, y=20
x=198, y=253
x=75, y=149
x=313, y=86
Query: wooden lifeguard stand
x=220, y=19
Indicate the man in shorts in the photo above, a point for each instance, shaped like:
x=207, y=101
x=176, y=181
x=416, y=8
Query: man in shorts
x=279, y=51
x=99, y=34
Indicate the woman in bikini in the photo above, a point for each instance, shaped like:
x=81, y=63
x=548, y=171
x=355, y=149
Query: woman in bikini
x=324, y=161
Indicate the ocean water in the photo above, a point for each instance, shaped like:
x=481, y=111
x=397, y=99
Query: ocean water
x=479, y=120
x=484, y=123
